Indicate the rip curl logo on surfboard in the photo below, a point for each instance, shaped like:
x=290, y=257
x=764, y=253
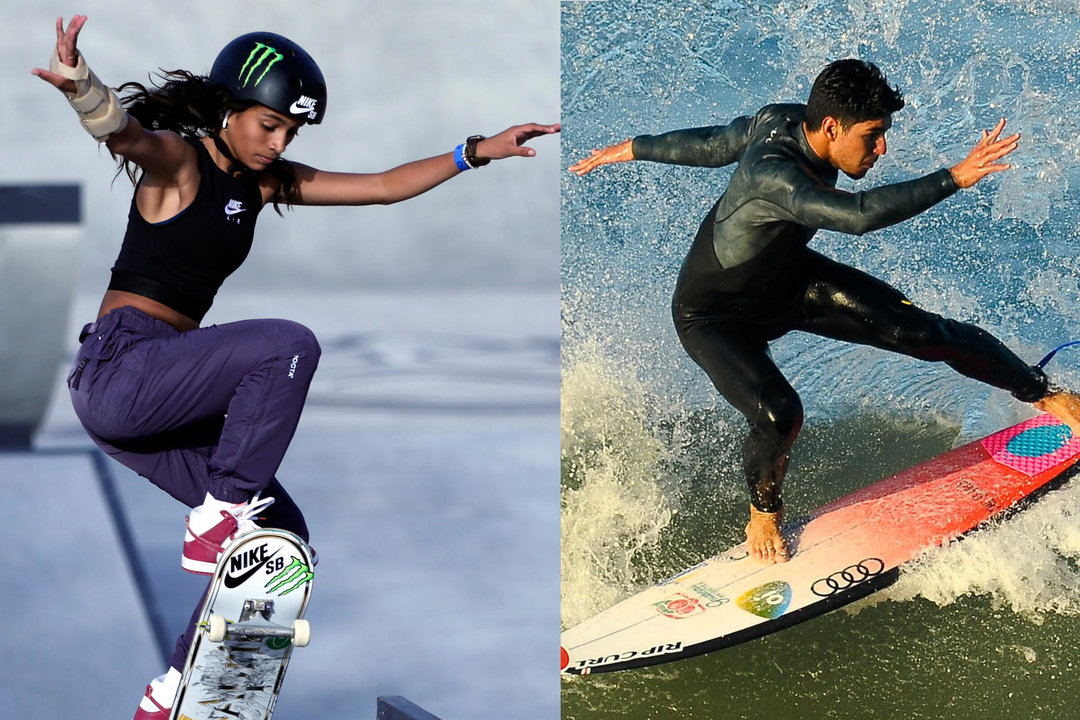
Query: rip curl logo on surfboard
x=769, y=601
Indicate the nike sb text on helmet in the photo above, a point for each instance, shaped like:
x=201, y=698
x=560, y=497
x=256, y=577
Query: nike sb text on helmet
x=273, y=71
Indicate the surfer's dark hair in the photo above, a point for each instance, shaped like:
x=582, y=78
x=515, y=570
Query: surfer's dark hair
x=851, y=91
x=188, y=104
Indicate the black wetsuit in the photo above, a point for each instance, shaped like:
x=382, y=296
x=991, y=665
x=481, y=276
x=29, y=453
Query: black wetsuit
x=750, y=278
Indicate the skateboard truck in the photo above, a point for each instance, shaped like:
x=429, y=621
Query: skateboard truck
x=217, y=628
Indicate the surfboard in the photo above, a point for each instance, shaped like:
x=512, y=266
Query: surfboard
x=843, y=551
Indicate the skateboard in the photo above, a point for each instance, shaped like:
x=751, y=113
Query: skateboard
x=250, y=622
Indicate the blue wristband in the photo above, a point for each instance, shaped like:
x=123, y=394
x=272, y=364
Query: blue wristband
x=459, y=158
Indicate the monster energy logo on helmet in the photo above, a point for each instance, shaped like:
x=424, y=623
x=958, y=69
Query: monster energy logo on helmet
x=273, y=71
x=263, y=52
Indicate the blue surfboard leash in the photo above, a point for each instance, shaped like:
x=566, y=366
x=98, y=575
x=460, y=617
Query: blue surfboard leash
x=1045, y=360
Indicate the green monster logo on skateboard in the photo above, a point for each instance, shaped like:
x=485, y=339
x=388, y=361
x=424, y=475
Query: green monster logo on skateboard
x=293, y=577
x=768, y=601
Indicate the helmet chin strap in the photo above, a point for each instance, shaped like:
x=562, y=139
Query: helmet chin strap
x=235, y=165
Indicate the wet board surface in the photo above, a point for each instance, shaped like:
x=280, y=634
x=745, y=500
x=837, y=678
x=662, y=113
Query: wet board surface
x=843, y=551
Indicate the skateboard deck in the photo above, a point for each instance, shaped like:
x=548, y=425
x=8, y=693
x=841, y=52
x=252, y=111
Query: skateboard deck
x=252, y=618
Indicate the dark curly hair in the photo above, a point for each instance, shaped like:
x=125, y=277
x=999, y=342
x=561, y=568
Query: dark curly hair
x=189, y=105
x=851, y=91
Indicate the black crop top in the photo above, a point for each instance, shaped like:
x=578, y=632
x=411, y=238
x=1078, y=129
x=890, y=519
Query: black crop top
x=182, y=261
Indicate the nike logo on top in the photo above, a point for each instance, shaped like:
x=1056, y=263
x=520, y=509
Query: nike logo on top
x=233, y=208
x=249, y=562
x=304, y=105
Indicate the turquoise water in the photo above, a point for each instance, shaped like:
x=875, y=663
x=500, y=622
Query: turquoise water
x=650, y=479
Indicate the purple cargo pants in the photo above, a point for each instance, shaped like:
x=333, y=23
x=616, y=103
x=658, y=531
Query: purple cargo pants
x=208, y=410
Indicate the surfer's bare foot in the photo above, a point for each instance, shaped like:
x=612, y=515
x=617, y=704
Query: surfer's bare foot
x=1065, y=406
x=763, y=537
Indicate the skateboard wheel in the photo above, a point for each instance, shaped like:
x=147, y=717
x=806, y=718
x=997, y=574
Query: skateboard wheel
x=301, y=633
x=216, y=628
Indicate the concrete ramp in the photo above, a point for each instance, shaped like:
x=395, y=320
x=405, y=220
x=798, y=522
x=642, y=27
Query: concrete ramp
x=40, y=245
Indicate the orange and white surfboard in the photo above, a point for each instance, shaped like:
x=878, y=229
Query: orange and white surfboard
x=844, y=551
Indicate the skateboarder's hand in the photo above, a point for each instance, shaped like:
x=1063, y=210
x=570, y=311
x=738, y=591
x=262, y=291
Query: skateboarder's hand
x=511, y=142
x=65, y=48
x=983, y=158
x=623, y=152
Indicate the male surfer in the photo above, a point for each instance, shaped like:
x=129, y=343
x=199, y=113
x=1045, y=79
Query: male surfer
x=750, y=278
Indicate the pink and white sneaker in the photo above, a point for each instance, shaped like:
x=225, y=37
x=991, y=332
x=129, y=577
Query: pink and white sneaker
x=160, y=690
x=213, y=526
x=160, y=712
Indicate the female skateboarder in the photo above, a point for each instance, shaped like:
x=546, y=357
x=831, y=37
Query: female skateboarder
x=206, y=413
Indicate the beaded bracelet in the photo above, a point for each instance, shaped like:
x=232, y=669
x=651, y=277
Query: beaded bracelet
x=459, y=158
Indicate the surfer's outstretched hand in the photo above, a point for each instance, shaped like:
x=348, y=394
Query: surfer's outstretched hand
x=983, y=158
x=763, y=539
x=622, y=152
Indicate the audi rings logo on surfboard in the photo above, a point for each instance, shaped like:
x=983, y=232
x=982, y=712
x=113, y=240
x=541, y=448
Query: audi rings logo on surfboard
x=849, y=577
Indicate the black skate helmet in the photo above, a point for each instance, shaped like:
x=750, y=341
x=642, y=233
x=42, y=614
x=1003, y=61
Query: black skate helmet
x=272, y=71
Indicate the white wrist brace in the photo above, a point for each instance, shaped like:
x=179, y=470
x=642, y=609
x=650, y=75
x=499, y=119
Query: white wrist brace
x=97, y=105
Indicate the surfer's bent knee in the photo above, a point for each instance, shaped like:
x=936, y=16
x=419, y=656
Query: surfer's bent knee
x=779, y=417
